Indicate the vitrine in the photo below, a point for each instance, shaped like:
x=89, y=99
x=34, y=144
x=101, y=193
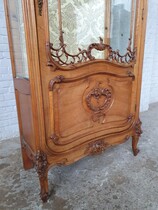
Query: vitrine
x=77, y=68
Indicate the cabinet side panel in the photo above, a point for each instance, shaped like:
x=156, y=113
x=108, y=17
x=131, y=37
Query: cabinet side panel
x=25, y=114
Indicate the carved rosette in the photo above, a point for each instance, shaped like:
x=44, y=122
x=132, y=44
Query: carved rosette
x=98, y=100
x=96, y=147
x=41, y=164
x=137, y=128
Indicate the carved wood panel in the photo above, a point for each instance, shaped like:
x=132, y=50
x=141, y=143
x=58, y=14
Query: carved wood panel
x=83, y=106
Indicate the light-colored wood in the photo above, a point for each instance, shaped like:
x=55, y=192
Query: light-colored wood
x=107, y=22
x=74, y=112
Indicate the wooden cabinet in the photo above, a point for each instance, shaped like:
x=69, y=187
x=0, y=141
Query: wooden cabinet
x=77, y=68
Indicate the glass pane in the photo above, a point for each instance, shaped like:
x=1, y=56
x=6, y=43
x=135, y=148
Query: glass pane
x=82, y=23
x=122, y=24
x=77, y=24
x=18, y=37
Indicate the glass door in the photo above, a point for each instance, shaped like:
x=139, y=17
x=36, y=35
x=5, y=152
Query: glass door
x=17, y=33
x=83, y=30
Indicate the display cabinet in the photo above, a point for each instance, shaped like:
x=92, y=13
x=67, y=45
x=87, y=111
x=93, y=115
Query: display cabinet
x=77, y=69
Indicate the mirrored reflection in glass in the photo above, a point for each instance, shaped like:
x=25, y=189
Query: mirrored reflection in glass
x=122, y=24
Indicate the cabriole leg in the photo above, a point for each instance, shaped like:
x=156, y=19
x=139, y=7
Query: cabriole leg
x=135, y=138
x=44, y=187
x=41, y=166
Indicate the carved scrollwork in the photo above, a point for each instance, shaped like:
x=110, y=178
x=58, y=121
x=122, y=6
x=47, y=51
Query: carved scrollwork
x=98, y=100
x=57, y=79
x=41, y=164
x=60, y=56
x=96, y=147
x=98, y=93
x=137, y=128
x=40, y=6
x=97, y=46
x=130, y=74
x=128, y=58
x=130, y=117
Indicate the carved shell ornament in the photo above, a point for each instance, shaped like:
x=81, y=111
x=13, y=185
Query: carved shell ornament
x=98, y=101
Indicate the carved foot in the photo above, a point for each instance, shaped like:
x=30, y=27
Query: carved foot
x=135, y=140
x=136, y=151
x=44, y=197
x=44, y=188
x=41, y=166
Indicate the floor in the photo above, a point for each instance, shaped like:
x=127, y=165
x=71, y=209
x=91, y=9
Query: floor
x=114, y=180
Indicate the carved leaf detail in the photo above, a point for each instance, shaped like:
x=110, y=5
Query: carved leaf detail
x=137, y=129
x=41, y=163
x=96, y=147
x=98, y=93
x=98, y=100
x=57, y=79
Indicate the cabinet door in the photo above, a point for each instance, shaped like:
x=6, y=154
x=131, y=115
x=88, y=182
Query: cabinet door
x=88, y=107
x=91, y=68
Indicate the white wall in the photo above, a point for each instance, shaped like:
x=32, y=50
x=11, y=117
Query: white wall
x=150, y=67
x=8, y=115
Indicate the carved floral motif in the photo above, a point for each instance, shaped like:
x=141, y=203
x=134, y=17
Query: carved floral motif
x=137, y=129
x=98, y=100
x=98, y=93
x=41, y=164
x=96, y=147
